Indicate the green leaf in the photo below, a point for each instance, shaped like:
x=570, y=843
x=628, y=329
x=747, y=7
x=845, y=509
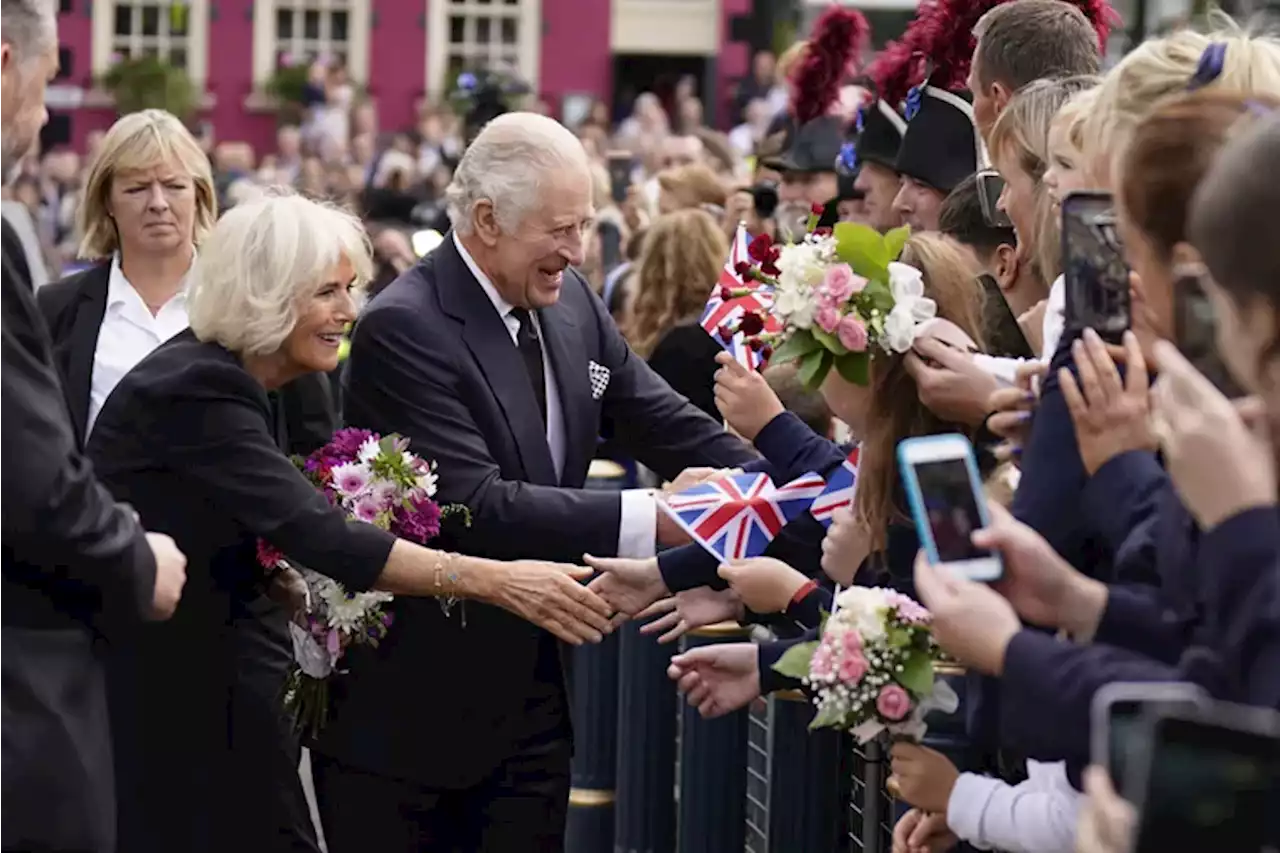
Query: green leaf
x=863, y=249
x=878, y=294
x=855, y=368
x=826, y=716
x=794, y=662
x=828, y=340
x=899, y=638
x=813, y=368
x=894, y=241
x=800, y=344
x=917, y=674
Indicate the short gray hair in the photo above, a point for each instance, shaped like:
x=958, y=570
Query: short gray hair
x=261, y=261
x=507, y=165
x=29, y=26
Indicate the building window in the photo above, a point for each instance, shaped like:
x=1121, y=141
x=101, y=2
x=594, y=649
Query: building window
x=176, y=31
x=468, y=34
x=300, y=31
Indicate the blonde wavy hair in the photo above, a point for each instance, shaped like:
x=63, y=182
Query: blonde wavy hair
x=262, y=262
x=694, y=185
x=141, y=140
x=683, y=254
x=1159, y=68
x=1022, y=131
x=895, y=410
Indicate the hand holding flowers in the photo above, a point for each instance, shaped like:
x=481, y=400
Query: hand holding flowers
x=872, y=668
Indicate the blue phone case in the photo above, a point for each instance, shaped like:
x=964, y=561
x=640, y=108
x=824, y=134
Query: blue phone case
x=916, y=498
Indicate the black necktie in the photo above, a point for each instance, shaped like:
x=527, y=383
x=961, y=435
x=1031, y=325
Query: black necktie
x=531, y=351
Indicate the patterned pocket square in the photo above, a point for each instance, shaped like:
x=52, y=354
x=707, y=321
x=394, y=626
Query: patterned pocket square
x=599, y=375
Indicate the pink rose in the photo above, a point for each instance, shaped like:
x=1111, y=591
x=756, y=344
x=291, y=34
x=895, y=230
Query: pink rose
x=840, y=283
x=827, y=318
x=852, y=642
x=852, y=667
x=820, y=663
x=853, y=334
x=893, y=703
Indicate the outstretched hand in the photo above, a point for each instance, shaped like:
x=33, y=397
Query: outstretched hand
x=550, y=596
x=717, y=680
x=689, y=609
x=627, y=585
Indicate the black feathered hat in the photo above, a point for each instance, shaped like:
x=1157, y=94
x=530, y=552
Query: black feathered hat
x=941, y=146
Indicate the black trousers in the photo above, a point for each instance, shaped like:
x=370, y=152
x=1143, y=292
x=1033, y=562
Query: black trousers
x=521, y=805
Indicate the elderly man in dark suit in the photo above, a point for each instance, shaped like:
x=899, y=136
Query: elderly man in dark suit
x=70, y=554
x=494, y=356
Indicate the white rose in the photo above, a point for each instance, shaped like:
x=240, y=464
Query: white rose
x=899, y=330
x=905, y=281
x=922, y=309
x=793, y=302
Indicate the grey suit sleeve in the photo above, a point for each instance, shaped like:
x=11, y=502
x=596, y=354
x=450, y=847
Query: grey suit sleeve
x=654, y=423
x=59, y=521
x=400, y=380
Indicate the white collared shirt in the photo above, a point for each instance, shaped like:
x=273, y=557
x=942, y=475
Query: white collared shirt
x=128, y=334
x=1035, y=816
x=636, y=529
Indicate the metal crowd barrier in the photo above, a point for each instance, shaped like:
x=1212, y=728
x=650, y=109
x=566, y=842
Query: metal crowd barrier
x=651, y=776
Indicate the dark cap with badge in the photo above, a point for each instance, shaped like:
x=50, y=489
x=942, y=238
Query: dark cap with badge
x=814, y=147
x=941, y=146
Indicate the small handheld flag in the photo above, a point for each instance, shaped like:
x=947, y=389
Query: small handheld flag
x=737, y=517
x=735, y=303
x=839, y=491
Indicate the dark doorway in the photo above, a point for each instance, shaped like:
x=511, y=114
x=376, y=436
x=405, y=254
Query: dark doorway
x=658, y=74
x=57, y=133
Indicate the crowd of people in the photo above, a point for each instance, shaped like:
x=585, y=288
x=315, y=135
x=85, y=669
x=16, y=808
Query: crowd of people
x=222, y=311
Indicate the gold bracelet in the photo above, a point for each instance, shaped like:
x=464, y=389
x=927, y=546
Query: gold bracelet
x=447, y=597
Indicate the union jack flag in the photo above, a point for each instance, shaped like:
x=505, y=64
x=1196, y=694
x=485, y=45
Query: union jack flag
x=838, y=493
x=722, y=312
x=737, y=517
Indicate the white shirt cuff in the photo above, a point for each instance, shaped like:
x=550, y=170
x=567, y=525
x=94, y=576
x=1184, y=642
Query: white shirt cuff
x=637, y=526
x=968, y=804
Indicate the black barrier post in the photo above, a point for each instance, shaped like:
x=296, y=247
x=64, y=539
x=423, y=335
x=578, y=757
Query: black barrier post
x=595, y=730
x=713, y=766
x=806, y=811
x=645, y=812
x=595, y=718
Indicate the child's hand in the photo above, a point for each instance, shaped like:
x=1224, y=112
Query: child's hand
x=919, y=832
x=924, y=776
x=764, y=584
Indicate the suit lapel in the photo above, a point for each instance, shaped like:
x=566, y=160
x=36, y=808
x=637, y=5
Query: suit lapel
x=82, y=344
x=489, y=341
x=569, y=364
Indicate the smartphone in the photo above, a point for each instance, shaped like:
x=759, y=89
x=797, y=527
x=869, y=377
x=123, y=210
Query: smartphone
x=1096, y=276
x=947, y=503
x=1210, y=780
x=990, y=187
x=621, y=165
x=1117, y=716
x=1195, y=329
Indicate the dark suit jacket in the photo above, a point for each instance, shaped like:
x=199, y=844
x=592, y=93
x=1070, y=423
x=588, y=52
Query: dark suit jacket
x=188, y=438
x=73, y=309
x=70, y=553
x=432, y=360
x=686, y=358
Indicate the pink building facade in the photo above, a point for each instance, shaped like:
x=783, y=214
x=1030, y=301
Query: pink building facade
x=400, y=51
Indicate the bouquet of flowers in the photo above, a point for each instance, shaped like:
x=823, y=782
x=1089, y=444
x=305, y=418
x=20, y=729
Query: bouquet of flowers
x=377, y=481
x=839, y=295
x=872, y=668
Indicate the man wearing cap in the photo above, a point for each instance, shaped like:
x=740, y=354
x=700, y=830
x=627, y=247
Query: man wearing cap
x=879, y=136
x=940, y=148
x=808, y=169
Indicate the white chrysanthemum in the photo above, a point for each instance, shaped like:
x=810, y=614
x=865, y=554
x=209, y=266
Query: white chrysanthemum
x=795, y=306
x=350, y=478
x=369, y=450
x=428, y=483
x=863, y=609
x=801, y=265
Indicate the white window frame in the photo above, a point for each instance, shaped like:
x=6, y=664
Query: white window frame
x=197, y=38
x=266, y=50
x=528, y=15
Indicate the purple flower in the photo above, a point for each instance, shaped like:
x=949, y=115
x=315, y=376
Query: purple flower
x=419, y=523
x=350, y=479
x=366, y=509
x=346, y=442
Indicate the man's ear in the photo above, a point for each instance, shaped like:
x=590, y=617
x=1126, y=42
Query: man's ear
x=6, y=55
x=1006, y=267
x=1184, y=254
x=1002, y=95
x=485, y=222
